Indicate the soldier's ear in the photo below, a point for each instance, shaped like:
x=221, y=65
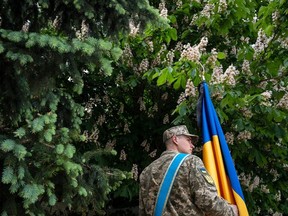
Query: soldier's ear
x=175, y=139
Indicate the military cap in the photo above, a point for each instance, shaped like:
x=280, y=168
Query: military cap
x=178, y=130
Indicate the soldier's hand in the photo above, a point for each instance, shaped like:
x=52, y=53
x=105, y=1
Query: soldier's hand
x=235, y=209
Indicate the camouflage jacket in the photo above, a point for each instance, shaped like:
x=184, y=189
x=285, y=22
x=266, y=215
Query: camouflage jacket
x=193, y=191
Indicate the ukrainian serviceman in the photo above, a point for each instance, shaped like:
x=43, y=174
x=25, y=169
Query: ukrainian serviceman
x=193, y=191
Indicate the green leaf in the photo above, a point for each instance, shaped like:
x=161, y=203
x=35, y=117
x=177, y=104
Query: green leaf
x=221, y=55
x=269, y=30
x=273, y=67
x=279, y=131
x=183, y=109
x=177, y=84
x=163, y=77
x=260, y=159
x=173, y=34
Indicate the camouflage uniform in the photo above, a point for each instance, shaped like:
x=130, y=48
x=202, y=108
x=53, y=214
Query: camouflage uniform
x=193, y=191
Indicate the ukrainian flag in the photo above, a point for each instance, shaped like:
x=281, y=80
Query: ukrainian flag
x=216, y=154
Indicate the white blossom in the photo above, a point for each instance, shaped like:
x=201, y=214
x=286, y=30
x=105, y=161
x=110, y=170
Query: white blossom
x=217, y=75
x=134, y=29
x=163, y=10
x=261, y=43
x=164, y=96
x=193, y=53
x=229, y=138
x=26, y=26
x=190, y=53
x=166, y=119
x=212, y=58
x=144, y=65
x=254, y=184
x=244, y=135
x=283, y=103
x=181, y=98
x=247, y=113
x=123, y=155
x=142, y=104
x=110, y=144
x=246, y=67
x=277, y=196
x=170, y=57
x=222, y=6
x=207, y=10
x=275, y=16
x=229, y=75
x=190, y=90
x=265, y=189
x=267, y=95
x=135, y=171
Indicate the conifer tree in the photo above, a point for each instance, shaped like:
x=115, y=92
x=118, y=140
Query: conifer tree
x=47, y=50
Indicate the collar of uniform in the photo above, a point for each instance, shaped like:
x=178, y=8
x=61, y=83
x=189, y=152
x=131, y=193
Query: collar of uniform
x=169, y=152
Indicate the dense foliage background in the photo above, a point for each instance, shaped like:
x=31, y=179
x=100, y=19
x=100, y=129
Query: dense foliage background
x=87, y=89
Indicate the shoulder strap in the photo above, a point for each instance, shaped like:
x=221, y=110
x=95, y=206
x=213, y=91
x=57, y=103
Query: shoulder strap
x=167, y=183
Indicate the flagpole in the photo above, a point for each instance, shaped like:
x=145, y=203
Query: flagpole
x=202, y=72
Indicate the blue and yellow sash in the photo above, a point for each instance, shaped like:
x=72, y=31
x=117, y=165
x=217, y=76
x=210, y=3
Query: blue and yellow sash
x=167, y=183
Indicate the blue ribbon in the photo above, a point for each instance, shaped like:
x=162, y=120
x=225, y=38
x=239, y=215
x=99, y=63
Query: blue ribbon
x=167, y=183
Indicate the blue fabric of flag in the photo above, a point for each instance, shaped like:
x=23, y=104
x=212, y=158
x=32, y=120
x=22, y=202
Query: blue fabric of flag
x=216, y=154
